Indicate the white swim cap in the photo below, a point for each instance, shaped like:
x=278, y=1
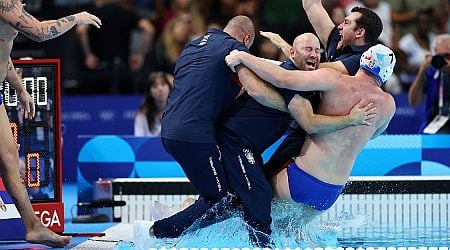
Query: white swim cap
x=380, y=61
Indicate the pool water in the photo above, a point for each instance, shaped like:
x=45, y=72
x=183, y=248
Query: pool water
x=289, y=230
x=385, y=237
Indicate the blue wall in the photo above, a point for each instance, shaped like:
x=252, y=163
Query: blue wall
x=388, y=155
x=93, y=115
x=113, y=156
x=113, y=115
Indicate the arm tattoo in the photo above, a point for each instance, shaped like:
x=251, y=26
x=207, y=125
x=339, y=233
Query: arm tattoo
x=45, y=35
x=19, y=26
x=41, y=34
x=25, y=13
x=8, y=6
x=53, y=31
x=21, y=17
x=70, y=18
x=60, y=21
x=29, y=34
x=67, y=19
x=26, y=22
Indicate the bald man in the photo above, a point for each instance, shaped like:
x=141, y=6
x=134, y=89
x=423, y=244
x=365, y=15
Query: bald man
x=251, y=125
x=203, y=88
x=344, y=45
x=319, y=173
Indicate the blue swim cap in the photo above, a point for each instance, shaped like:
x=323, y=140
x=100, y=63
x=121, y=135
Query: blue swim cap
x=380, y=61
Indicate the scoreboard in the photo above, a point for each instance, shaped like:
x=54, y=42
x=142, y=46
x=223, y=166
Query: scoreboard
x=39, y=143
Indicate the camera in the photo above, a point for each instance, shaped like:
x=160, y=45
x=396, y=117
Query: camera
x=438, y=61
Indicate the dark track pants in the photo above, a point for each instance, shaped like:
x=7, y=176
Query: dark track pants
x=289, y=148
x=246, y=179
x=202, y=165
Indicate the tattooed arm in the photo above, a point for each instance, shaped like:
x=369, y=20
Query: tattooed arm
x=13, y=13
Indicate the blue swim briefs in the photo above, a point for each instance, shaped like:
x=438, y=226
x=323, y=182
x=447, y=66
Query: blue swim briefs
x=309, y=190
x=1, y=99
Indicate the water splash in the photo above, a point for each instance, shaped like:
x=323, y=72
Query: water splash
x=293, y=226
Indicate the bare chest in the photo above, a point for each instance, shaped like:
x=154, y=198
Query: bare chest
x=7, y=33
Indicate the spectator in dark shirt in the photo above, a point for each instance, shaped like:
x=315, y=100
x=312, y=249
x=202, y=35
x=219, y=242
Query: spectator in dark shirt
x=432, y=84
x=107, y=56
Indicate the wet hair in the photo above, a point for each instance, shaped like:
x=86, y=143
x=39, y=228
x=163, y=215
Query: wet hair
x=371, y=23
x=148, y=105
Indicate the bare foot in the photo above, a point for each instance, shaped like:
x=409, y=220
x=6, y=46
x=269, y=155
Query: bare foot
x=42, y=235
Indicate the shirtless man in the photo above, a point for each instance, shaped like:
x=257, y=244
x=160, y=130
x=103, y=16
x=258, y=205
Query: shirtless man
x=13, y=19
x=320, y=171
x=344, y=45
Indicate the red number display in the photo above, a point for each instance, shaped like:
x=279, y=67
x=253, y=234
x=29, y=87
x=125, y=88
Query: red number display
x=37, y=181
x=15, y=132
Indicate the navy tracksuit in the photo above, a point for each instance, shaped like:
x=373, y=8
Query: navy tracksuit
x=295, y=136
x=246, y=130
x=203, y=89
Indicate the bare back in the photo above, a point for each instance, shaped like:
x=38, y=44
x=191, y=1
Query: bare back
x=330, y=156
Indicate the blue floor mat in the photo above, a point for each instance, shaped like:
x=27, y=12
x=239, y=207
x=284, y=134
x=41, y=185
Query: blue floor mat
x=70, y=201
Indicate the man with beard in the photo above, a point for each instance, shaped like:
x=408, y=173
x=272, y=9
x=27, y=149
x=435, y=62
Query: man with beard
x=322, y=168
x=248, y=128
x=344, y=46
x=254, y=122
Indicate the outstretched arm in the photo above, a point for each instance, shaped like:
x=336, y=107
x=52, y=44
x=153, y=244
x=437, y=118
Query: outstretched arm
x=24, y=97
x=13, y=13
x=302, y=112
x=261, y=91
x=319, y=19
x=322, y=79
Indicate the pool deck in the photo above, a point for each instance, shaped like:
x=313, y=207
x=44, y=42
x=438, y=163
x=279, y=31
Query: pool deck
x=116, y=232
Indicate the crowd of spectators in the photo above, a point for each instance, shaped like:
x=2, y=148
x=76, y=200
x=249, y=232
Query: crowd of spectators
x=139, y=37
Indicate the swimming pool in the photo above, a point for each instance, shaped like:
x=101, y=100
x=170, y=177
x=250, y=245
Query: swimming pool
x=349, y=230
x=395, y=212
